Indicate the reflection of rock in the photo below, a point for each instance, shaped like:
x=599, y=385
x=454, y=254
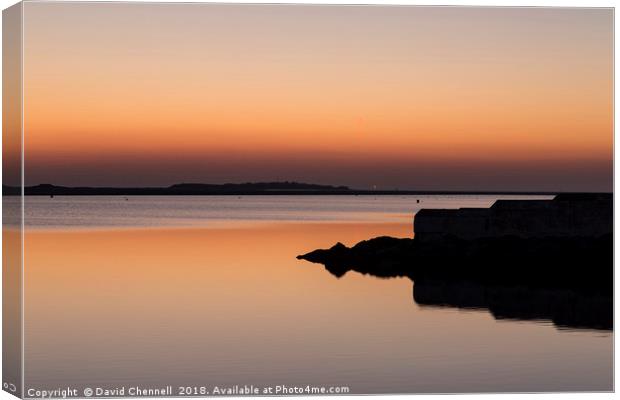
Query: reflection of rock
x=564, y=307
x=567, y=281
x=565, y=276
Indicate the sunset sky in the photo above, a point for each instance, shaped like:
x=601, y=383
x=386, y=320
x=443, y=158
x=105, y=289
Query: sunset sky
x=398, y=97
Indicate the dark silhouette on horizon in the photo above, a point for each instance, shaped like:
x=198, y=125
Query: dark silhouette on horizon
x=232, y=189
x=178, y=189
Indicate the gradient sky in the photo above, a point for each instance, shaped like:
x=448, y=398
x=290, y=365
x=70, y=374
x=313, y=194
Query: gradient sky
x=398, y=97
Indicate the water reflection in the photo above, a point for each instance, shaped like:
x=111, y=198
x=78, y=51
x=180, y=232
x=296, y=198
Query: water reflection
x=564, y=307
x=144, y=306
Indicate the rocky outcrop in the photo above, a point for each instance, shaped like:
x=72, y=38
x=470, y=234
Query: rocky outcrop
x=568, y=281
x=576, y=263
x=545, y=259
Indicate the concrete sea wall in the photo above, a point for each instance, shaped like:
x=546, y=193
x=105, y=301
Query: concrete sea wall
x=567, y=215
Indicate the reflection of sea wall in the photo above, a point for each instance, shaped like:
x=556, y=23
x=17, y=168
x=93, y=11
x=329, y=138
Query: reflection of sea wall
x=564, y=307
x=566, y=215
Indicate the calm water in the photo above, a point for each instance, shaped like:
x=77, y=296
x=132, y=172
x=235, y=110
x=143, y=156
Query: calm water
x=184, y=211
x=204, y=291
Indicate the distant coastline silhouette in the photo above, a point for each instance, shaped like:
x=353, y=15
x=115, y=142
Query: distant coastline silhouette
x=229, y=189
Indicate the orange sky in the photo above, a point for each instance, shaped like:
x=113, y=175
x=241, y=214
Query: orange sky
x=408, y=97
